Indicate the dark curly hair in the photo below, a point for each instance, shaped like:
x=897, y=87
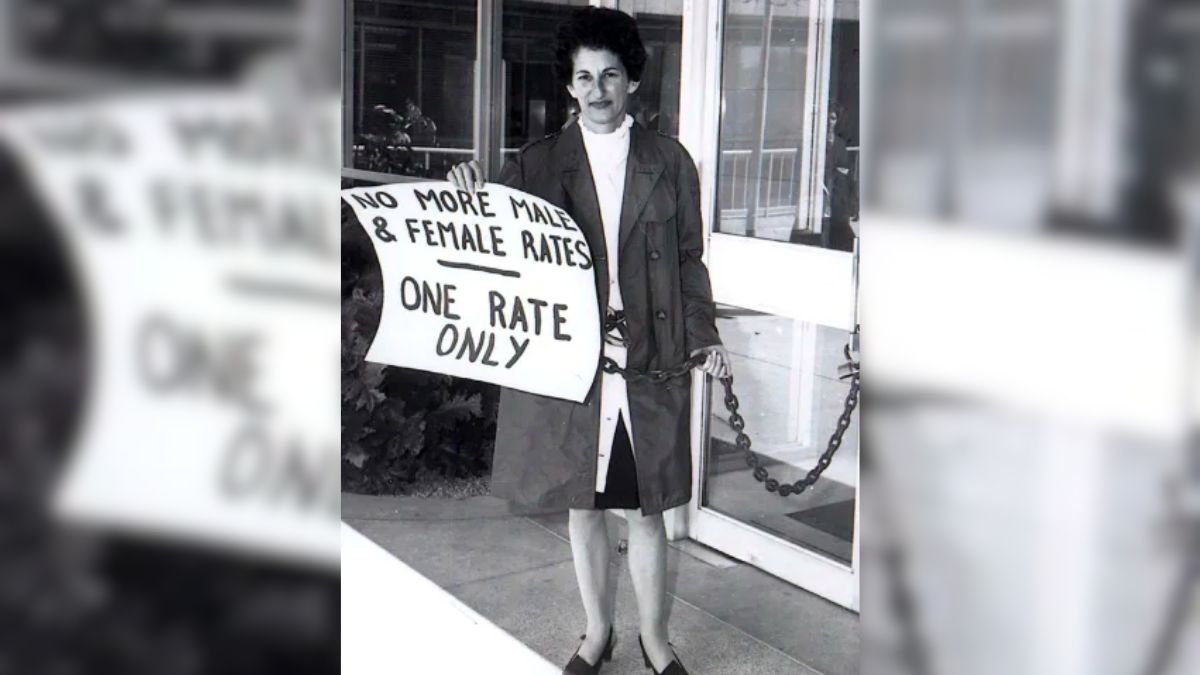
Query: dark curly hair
x=599, y=28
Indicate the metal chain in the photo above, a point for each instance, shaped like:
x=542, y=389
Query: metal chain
x=665, y=377
x=655, y=376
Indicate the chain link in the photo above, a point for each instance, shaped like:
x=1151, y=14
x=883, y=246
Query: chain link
x=667, y=376
x=655, y=376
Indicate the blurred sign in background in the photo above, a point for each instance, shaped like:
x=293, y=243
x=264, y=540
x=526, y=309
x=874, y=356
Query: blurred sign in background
x=169, y=264
x=208, y=259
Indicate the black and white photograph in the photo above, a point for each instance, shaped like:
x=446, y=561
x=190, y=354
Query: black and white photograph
x=680, y=496
x=440, y=337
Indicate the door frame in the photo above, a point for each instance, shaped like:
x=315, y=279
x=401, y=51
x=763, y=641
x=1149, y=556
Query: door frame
x=725, y=254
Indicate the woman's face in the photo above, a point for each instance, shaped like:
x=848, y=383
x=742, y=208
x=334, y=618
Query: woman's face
x=601, y=86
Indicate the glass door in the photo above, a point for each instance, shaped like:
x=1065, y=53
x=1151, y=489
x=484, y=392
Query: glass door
x=782, y=146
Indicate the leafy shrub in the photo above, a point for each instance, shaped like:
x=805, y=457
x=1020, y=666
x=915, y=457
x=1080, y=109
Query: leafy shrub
x=387, y=139
x=397, y=423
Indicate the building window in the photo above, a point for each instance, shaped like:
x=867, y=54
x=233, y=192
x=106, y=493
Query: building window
x=660, y=23
x=411, y=85
x=788, y=165
x=411, y=90
x=535, y=103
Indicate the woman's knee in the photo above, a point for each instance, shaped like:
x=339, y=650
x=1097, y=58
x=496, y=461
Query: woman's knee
x=585, y=516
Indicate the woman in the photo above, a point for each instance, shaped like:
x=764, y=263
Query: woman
x=636, y=197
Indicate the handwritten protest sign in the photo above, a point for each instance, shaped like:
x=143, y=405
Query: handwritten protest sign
x=497, y=286
x=204, y=230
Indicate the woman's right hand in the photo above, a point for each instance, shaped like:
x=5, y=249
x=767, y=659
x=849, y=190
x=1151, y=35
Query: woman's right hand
x=466, y=176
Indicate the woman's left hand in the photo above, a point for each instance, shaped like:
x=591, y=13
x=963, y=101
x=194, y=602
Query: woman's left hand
x=717, y=362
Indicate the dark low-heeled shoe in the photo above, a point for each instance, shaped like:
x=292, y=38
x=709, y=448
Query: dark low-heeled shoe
x=578, y=666
x=673, y=668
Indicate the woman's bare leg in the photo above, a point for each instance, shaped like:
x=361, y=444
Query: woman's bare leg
x=590, y=549
x=648, y=570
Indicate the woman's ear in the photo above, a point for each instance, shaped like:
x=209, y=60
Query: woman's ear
x=633, y=86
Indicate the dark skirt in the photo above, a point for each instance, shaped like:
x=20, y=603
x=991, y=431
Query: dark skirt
x=621, y=488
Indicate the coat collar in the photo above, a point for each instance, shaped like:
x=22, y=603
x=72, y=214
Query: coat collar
x=642, y=171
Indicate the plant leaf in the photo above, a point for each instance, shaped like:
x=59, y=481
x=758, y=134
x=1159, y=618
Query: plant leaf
x=461, y=406
x=356, y=456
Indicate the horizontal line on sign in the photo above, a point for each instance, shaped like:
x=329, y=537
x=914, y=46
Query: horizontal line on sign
x=283, y=289
x=480, y=268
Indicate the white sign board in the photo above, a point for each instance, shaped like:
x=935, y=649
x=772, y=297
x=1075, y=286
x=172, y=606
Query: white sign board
x=204, y=229
x=497, y=286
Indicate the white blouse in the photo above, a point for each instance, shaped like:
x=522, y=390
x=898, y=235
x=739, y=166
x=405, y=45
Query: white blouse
x=607, y=156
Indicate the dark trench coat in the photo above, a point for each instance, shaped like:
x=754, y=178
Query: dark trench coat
x=546, y=448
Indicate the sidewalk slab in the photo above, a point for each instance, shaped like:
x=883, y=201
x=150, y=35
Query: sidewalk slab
x=541, y=608
x=376, y=507
x=805, y=626
x=396, y=621
x=458, y=547
x=517, y=572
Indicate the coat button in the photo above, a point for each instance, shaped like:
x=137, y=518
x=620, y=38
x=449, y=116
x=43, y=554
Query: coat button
x=660, y=314
x=654, y=255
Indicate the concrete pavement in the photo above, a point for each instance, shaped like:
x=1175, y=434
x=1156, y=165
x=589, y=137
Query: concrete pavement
x=727, y=618
x=385, y=603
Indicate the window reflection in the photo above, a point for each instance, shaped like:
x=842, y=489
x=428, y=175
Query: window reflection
x=786, y=380
x=536, y=103
x=660, y=22
x=764, y=184
x=413, y=95
x=411, y=78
